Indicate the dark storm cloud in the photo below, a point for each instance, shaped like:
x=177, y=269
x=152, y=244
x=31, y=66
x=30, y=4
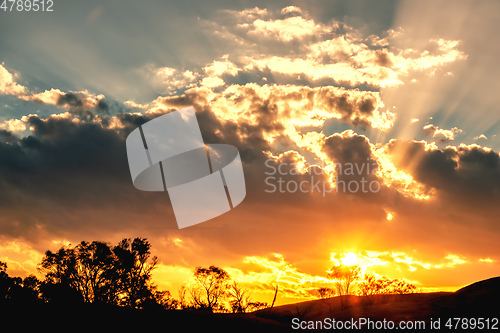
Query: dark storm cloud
x=467, y=174
x=81, y=103
x=349, y=148
x=351, y=112
x=103, y=107
x=383, y=58
x=57, y=149
x=70, y=175
x=367, y=106
x=355, y=164
x=70, y=99
x=62, y=169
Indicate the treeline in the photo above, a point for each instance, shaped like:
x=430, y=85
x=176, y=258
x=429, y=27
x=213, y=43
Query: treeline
x=212, y=289
x=345, y=276
x=120, y=275
x=90, y=273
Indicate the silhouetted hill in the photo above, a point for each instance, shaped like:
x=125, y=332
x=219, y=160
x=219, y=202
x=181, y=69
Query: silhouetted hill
x=480, y=299
x=476, y=300
x=481, y=289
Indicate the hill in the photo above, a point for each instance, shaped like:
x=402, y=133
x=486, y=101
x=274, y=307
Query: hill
x=478, y=300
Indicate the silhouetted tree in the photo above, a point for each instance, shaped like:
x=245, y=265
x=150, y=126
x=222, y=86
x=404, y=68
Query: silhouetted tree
x=343, y=276
x=161, y=299
x=31, y=284
x=86, y=268
x=184, y=303
x=99, y=273
x=60, y=294
x=384, y=286
x=254, y=306
x=5, y=281
x=133, y=268
x=165, y=299
x=275, y=295
x=326, y=293
x=25, y=290
x=16, y=289
x=239, y=299
x=211, y=285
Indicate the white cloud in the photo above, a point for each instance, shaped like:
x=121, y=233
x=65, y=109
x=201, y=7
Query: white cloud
x=286, y=30
x=212, y=82
x=291, y=9
x=14, y=125
x=221, y=67
x=8, y=84
x=440, y=134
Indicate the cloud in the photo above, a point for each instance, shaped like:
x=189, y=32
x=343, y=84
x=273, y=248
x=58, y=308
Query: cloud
x=212, y=82
x=316, y=53
x=353, y=159
x=293, y=117
x=248, y=13
x=215, y=70
x=66, y=165
x=8, y=84
x=14, y=125
x=277, y=110
x=285, y=30
x=441, y=135
x=74, y=101
x=221, y=67
x=168, y=80
x=263, y=273
x=292, y=9
x=346, y=59
x=394, y=261
x=465, y=174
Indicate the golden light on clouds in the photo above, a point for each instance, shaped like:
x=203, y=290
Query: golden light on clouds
x=261, y=274
x=21, y=258
x=402, y=181
x=8, y=84
x=363, y=259
x=390, y=217
x=486, y=260
x=286, y=29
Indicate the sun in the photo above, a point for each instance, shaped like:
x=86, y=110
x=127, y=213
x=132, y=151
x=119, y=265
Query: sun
x=349, y=259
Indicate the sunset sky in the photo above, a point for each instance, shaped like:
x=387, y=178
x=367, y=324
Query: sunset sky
x=410, y=88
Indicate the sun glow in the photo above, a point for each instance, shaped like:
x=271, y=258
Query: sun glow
x=346, y=259
x=349, y=259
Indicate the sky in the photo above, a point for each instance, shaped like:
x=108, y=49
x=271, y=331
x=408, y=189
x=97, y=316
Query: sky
x=368, y=133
